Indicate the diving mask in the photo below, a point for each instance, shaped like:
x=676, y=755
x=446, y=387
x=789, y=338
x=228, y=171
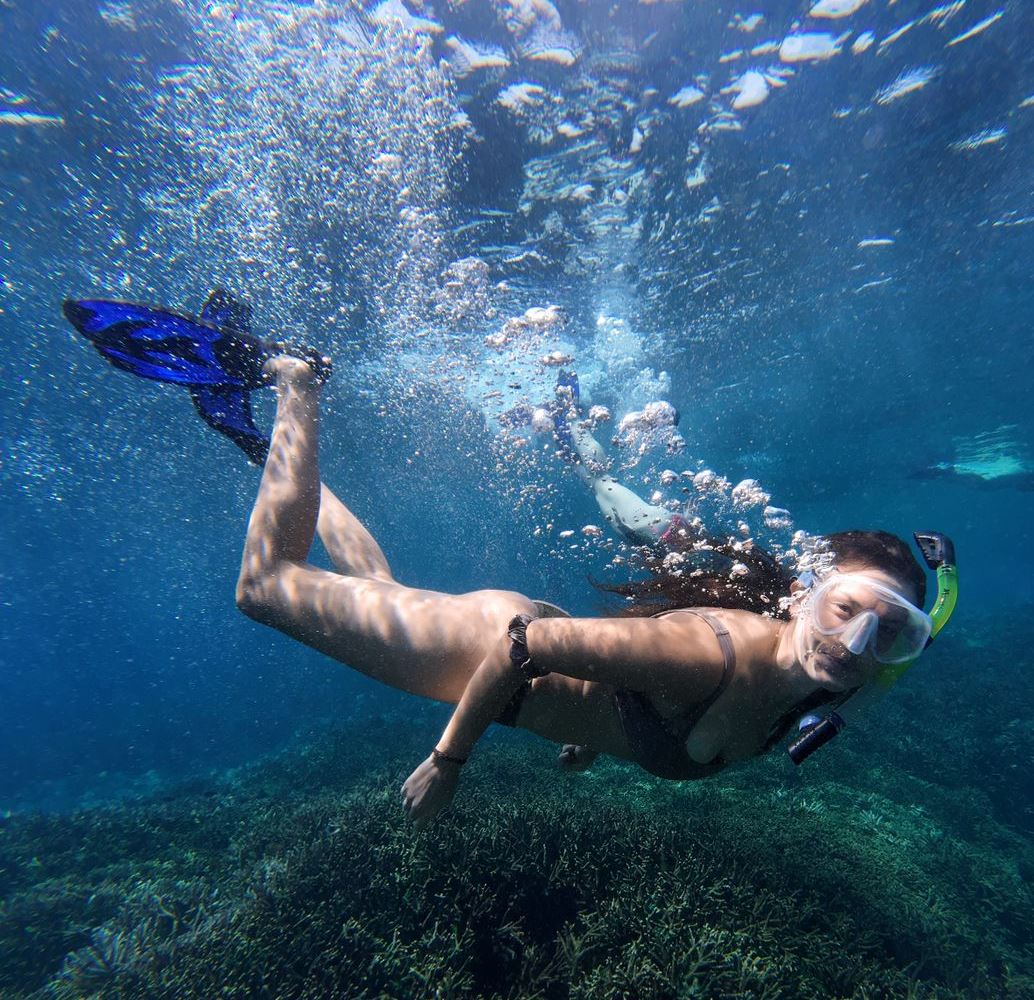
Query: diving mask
x=939, y=554
x=866, y=614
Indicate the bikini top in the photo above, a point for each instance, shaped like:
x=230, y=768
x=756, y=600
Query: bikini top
x=686, y=720
x=658, y=742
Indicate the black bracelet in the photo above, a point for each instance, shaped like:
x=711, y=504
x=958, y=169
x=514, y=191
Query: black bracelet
x=517, y=630
x=436, y=754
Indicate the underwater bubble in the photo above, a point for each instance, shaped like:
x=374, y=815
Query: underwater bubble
x=985, y=137
x=686, y=97
x=519, y=96
x=863, y=43
x=978, y=28
x=746, y=23
x=466, y=57
x=897, y=35
x=751, y=89
x=836, y=8
x=748, y=493
x=777, y=518
x=812, y=46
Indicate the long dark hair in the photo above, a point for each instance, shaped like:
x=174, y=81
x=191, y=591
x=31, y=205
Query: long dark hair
x=709, y=575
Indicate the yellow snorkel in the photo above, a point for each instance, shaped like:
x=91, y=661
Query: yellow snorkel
x=939, y=554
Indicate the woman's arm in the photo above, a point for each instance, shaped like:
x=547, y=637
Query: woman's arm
x=671, y=656
x=430, y=788
x=677, y=655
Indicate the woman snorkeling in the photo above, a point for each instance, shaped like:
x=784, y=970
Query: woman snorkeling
x=683, y=694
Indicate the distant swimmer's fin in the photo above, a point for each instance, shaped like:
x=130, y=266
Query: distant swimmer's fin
x=229, y=412
x=167, y=347
x=567, y=386
x=563, y=409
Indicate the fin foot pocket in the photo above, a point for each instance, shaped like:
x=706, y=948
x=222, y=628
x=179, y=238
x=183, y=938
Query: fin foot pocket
x=320, y=364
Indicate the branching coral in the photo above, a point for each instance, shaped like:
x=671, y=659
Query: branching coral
x=298, y=878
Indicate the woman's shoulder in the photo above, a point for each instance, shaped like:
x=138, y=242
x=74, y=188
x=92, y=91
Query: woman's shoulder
x=729, y=617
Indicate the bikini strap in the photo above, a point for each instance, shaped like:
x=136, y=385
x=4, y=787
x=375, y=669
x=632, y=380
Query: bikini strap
x=690, y=719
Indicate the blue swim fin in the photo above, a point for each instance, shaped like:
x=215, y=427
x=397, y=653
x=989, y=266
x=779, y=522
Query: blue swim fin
x=229, y=412
x=167, y=347
x=225, y=312
x=215, y=356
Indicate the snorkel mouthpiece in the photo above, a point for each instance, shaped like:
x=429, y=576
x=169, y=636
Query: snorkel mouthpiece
x=937, y=549
x=939, y=554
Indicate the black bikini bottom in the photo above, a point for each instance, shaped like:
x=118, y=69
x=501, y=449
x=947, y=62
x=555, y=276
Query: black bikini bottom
x=508, y=716
x=656, y=747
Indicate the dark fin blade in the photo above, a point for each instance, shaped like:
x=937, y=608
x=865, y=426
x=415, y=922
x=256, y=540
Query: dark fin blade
x=229, y=412
x=224, y=311
x=106, y=321
x=154, y=343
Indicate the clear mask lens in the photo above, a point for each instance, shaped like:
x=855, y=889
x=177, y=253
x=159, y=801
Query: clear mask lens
x=866, y=614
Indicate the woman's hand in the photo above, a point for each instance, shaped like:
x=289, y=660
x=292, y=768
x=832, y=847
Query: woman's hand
x=429, y=790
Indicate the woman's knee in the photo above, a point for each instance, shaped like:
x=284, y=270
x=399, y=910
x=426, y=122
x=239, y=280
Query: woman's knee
x=254, y=596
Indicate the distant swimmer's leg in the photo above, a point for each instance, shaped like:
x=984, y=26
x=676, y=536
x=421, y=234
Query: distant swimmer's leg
x=625, y=511
x=592, y=459
x=352, y=549
x=629, y=514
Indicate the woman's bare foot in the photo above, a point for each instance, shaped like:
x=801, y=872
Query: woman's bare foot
x=291, y=362
x=286, y=368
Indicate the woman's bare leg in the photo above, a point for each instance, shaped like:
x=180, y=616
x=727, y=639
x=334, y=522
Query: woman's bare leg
x=352, y=549
x=415, y=640
x=286, y=510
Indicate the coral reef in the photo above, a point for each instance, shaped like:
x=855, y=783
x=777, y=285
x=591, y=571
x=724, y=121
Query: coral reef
x=871, y=874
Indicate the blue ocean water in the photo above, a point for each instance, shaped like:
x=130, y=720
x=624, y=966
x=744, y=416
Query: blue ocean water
x=812, y=235
x=806, y=226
